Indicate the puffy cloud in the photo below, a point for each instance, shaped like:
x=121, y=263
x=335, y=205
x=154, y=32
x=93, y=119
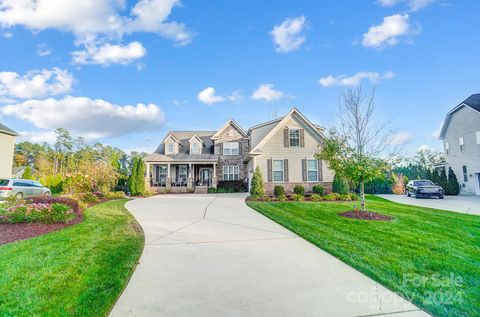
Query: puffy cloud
x=37, y=136
x=355, y=80
x=108, y=54
x=208, y=96
x=401, y=138
x=288, y=35
x=89, y=118
x=35, y=83
x=388, y=32
x=436, y=133
x=414, y=5
x=267, y=93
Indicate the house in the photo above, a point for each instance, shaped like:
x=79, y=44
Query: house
x=284, y=150
x=7, y=144
x=461, y=143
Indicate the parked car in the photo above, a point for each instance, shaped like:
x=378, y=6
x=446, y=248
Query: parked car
x=21, y=188
x=424, y=188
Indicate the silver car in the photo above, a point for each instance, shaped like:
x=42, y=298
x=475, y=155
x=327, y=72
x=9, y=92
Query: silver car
x=21, y=188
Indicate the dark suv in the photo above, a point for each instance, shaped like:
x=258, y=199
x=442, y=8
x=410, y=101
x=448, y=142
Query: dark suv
x=424, y=188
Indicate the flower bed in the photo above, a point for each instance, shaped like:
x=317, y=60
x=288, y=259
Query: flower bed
x=45, y=213
x=310, y=198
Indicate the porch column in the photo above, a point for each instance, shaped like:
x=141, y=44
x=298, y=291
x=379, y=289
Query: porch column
x=214, y=177
x=168, y=182
x=189, y=180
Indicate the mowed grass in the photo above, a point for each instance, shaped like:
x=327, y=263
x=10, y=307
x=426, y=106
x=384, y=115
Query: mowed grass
x=78, y=271
x=430, y=257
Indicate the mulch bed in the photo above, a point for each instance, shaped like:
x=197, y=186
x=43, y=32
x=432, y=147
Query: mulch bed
x=10, y=232
x=365, y=215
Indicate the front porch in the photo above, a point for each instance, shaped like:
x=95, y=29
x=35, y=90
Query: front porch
x=181, y=177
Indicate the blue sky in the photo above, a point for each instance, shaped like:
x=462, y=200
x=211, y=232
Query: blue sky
x=125, y=72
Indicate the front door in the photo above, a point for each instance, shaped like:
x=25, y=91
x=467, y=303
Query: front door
x=206, y=177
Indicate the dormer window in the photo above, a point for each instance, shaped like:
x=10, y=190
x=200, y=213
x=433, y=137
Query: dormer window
x=294, y=136
x=170, y=148
x=195, y=148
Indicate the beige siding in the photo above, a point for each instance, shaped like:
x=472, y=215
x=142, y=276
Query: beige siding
x=274, y=149
x=464, y=123
x=258, y=134
x=7, y=143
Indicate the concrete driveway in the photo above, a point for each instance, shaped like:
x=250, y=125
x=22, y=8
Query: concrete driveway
x=461, y=204
x=211, y=255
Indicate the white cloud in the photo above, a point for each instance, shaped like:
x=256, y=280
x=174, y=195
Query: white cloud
x=35, y=83
x=267, y=93
x=436, y=133
x=108, y=54
x=401, y=138
x=37, y=136
x=414, y=5
x=424, y=147
x=7, y=35
x=43, y=50
x=208, y=97
x=354, y=80
x=388, y=32
x=288, y=35
x=89, y=118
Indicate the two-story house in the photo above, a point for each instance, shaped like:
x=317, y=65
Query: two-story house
x=284, y=150
x=461, y=142
x=7, y=144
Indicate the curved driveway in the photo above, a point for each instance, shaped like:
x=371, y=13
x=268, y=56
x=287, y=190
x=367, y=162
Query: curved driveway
x=211, y=255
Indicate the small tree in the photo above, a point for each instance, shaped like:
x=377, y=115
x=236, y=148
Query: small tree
x=443, y=181
x=132, y=184
x=453, y=188
x=340, y=185
x=256, y=188
x=140, y=177
x=398, y=187
x=27, y=174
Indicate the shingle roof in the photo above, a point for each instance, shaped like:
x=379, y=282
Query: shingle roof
x=6, y=130
x=473, y=102
x=184, y=151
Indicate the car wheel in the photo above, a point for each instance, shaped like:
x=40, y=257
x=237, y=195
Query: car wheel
x=441, y=197
x=47, y=194
x=416, y=195
x=408, y=194
x=19, y=195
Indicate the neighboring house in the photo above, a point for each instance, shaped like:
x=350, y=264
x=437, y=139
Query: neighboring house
x=284, y=150
x=461, y=142
x=7, y=144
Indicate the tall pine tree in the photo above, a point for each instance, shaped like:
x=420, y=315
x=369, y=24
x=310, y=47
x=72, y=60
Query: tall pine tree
x=453, y=188
x=140, y=177
x=132, y=187
x=443, y=179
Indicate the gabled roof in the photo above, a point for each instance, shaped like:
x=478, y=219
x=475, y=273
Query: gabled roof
x=170, y=136
x=6, y=130
x=196, y=137
x=472, y=102
x=183, y=139
x=230, y=122
x=281, y=123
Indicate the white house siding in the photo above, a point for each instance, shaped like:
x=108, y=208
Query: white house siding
x=276, y=150
x=7, y=144
x=258, y=134
x=464, y=123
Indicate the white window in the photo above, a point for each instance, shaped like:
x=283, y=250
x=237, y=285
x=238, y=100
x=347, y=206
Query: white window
x=170, y=147
x=312, y=170
x=294, y=135
x=230, y=173
x=477, y=134
x=195, y=148
x=447, y=147
x=277, y=170
x=182, y=173
x=230, y=148
x=462, y=145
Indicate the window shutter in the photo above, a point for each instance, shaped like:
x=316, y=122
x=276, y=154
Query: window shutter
x=304, y=170
x=285, y=170
x=320, y=172
x=286, y=139
x=240, y=147
x=269, y=170
x=302, y=138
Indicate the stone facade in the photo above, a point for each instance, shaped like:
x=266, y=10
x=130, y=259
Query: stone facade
x=231, y=134
x=269, y=186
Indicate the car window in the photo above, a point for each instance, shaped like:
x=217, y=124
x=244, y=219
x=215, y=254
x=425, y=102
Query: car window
x=423, y=183
x=4, y=182
x=37, y=184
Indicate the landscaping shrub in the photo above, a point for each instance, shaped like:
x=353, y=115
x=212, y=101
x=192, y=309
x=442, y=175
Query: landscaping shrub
x=297, y=197
x=88, y=198
x=212, y=190
x=398, y=187
x=257, y=190
x=282, y=198
x=340, y=185
x=232, y=186
x=37, y=212
x=344, y=197
x=114, y=195
x=331, y=197
x=452, y=188
x=316, y=197
x=98, y=194
x=353, y=196
x=278, y=191
x=50, y=200
x=318, y=189
x=54, y=183
x=27, y=174
x=379, y=186
x=299, y=190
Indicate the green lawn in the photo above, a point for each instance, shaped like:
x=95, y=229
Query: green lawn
x=78, y=271
x=441, y=247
